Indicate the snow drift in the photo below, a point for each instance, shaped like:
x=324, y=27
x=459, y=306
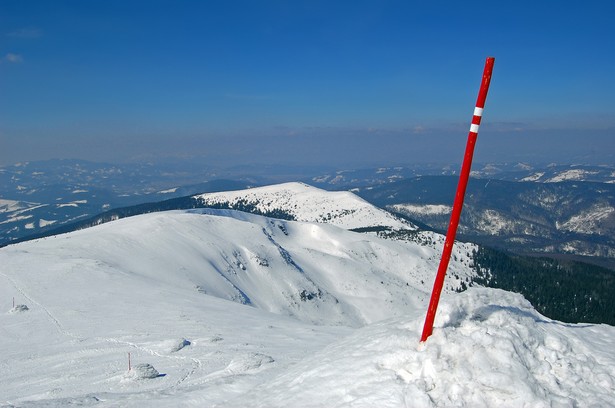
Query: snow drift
x=490, y=348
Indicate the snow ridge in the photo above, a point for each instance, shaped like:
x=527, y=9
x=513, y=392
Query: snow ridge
x=309, y=204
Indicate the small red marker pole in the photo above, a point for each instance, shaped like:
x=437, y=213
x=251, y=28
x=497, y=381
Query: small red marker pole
x=459, y=197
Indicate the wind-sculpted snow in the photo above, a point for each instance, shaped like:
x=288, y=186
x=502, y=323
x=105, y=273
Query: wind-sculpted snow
x=309, y=204
x=489, y=349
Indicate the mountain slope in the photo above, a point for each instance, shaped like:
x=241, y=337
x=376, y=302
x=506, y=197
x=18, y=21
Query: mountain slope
x=315, y=272
x=192, y=294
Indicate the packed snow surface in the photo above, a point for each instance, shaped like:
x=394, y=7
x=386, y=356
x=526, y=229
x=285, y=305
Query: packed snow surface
x=237, y=310
x=490, y=348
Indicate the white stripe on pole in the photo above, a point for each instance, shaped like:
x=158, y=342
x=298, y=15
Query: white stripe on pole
x=478, y=111
x=473, y=128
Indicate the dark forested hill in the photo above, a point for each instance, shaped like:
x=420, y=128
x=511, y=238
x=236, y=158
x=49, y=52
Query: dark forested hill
x=563, y=290
x=567, y=217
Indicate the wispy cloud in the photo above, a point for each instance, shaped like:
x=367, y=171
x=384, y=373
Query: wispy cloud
x=419, y=129
x=503, y=126
x=13, y=58
x=247, y=97
x=28, y=32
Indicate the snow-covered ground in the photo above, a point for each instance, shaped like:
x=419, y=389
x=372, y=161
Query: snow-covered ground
x=589, y=221
x=490, y=349
x=11, y=210
x=568, y=175
x=424, y=209
x=219, y=308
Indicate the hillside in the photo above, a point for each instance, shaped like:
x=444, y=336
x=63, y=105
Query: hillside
x=275, y=265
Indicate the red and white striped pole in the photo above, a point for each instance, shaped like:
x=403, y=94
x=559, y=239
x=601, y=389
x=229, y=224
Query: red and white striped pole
x=458, y=204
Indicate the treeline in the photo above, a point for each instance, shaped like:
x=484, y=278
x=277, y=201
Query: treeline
x=567, y=291
x=249, y=207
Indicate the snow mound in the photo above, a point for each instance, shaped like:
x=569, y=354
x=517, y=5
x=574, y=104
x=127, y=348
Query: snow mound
x=180, y=344
x=142, y=371
x=489, y=348
x=169, y=346
x=248, y=362
x=19, y=309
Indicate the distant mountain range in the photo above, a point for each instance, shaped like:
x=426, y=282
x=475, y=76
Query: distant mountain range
x=550, y=173
x=556, y=210
x=42, y=196
x=38, y=197
x=567, y=217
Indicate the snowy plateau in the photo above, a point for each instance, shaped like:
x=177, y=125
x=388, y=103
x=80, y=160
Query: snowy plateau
x=221, y=308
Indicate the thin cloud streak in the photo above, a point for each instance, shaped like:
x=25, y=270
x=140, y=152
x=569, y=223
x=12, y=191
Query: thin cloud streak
x=13, y=58
x=28, y=32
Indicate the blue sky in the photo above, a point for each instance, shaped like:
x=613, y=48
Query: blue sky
x=307, y=82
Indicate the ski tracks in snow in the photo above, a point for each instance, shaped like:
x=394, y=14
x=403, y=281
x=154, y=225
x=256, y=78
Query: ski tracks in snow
x=196, y=364
x=51, y=316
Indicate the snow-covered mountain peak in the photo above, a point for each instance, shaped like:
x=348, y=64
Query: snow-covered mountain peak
x=302, y=202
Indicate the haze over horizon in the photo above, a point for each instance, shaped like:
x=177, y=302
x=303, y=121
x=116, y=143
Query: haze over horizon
x=308, y=82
